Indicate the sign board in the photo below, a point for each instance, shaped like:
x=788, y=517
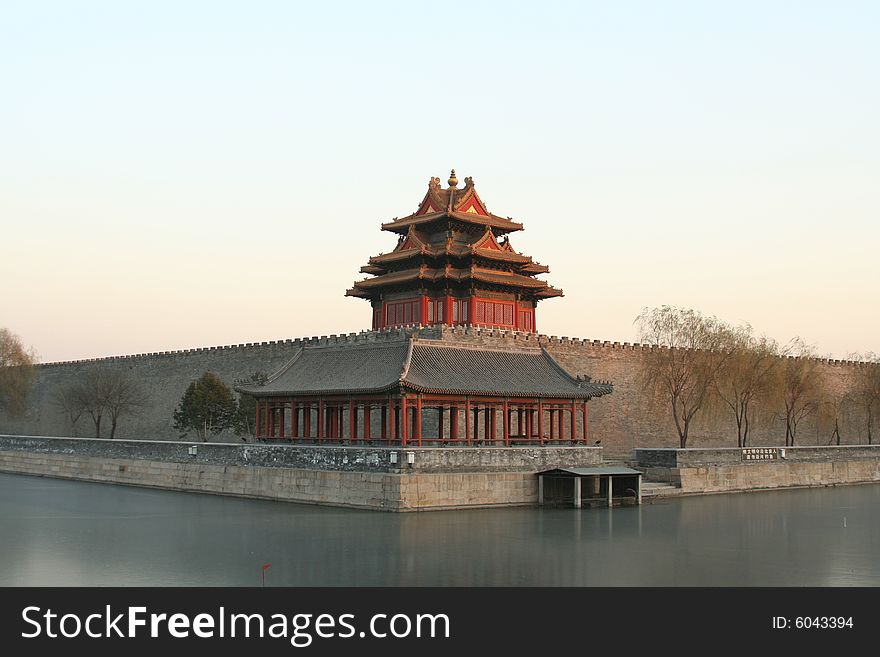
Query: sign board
x=760, y=454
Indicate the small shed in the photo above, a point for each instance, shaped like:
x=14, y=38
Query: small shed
x=590, y=486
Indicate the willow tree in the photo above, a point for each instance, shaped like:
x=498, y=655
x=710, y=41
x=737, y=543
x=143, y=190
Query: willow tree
x=746, y=377
x=689, y=351
x=833, y=412
x=16, y=373
x=800, y=387
x=866, y=391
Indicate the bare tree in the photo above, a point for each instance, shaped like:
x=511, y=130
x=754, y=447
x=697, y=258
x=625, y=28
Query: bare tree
x=91, y=393
x=104, y=392
x=16, y=373
x=800, y=387
x=690, y=349
x=123, y=396
x=69, y=401
x=832, y=413
x=746, y=377
x=866, y=391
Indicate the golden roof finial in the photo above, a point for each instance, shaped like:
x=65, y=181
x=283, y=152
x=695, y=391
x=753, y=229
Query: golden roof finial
x=453, y=181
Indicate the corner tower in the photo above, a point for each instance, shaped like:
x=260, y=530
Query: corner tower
x=453, y=264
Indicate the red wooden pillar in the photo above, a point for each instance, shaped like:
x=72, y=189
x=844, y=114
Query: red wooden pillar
x=586, y=424
x=307, y=420
x=320, y=420
x=404, y=429
x=383, y=413
x=467, y=421
x=506, y=425
x=281, y=412
x=541, y=421
x=352, y=421
x=294, y=419
x=453, y=423
x=440, y=412
x=492, y=410
x=267, y=409
x=447, y=310
x=367, y=422
x=418, y=431
x=257, y=421
x=574, y=428
x=392, y=416
x=552, y=415
x=477, y=424
x=423, y=312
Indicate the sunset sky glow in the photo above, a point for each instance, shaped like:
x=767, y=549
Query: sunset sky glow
x=176, y=175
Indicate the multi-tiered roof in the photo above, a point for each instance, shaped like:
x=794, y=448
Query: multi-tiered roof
x=455, y=254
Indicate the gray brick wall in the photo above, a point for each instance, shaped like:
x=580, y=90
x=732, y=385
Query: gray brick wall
x=622, y=421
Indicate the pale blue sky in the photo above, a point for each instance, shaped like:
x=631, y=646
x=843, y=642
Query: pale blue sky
x=180, y=174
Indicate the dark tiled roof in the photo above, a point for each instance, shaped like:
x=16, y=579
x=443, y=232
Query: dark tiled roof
x=422, y=366
x=503, y=224
x=520, y=373
x=328, y=370
x=498, y=277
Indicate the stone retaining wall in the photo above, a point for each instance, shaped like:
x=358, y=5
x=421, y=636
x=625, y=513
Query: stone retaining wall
x=438, y=478
x=719, y=470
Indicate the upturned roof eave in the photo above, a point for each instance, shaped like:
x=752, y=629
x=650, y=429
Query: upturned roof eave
x=401, y=225
x=474, y=392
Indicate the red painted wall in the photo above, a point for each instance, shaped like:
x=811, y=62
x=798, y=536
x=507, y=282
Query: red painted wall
x=472, y=310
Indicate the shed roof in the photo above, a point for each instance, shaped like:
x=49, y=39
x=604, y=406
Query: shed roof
x=599, y=470
x=421, y=366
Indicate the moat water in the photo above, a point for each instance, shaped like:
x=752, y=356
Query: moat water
x=68, y=533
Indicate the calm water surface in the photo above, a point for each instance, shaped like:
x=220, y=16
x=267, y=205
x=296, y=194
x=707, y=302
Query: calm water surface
x=55, y=532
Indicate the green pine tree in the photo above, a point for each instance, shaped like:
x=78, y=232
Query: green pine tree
x=207, y=407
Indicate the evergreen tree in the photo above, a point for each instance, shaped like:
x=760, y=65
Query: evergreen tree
x=207, y=407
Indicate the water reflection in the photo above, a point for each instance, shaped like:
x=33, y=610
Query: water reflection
x=56, y=532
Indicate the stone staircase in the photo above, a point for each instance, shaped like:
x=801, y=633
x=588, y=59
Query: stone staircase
x=650, y=489
x=654, y=489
